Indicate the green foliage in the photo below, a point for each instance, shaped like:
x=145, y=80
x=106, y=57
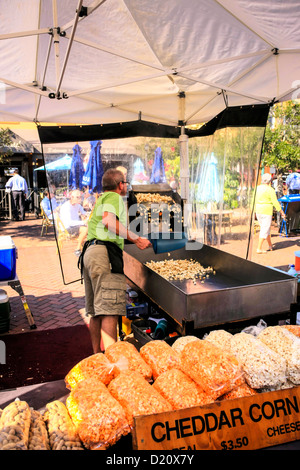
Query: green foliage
x=5, y=143
x=231, y=185
x=281, y=145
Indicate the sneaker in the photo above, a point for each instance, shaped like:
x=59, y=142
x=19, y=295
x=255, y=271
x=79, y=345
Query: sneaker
x=77, y=252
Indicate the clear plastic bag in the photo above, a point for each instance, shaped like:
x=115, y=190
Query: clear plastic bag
x=295, y=329
x=214, y=369
x=125, y=356
x=96, y=365
x=180, y=390
x=179, y=344
x=255, y=329
x=98, y=417
x=220, y=338
x=287, y=345
x=241, y=391
x=137, y=396
x=14, y=426
x=262, y=366
x=61, y=430
x=160, y=356
x=38, y=435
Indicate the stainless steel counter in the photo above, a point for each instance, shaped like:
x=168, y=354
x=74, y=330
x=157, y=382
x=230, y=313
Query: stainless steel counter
x=239, y=290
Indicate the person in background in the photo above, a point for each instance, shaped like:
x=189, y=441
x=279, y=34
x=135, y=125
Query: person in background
x=265, y=201
x=293, y=182
x=89, y=201
x=19, y=189
x=46, y=205
x=74, y=218
x=101, y=261
x=123, y=170
x=279, y=191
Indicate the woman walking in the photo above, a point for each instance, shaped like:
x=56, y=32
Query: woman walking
x=265, y=201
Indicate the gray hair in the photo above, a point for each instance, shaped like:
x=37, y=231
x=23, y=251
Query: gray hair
x=111, y=179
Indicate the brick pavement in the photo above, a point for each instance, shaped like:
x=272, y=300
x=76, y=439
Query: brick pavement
x=54, y=304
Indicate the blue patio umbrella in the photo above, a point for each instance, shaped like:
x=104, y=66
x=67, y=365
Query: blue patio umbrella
x=63, y=163
x=77, y=169
x=209, y=186
x=158, y=170
x=94, y=169
x=139, y=174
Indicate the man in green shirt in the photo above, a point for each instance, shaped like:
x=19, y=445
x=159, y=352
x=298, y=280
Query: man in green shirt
x=102, y=259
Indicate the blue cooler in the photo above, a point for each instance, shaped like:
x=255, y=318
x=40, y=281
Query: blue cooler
x=8, y=256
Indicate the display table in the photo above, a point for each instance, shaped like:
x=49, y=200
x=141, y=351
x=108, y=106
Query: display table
x=291, y=207
x=211, y=221
x=239, y=436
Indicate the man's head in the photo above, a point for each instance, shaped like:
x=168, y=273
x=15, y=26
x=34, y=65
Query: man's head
x=113, y=180
x=75, y=197
x=16, y=171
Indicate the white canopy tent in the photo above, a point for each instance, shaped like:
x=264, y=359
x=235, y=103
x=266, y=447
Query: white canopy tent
x=169, y=62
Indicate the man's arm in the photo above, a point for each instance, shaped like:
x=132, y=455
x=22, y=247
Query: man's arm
x=111, y=222
x=9, y=183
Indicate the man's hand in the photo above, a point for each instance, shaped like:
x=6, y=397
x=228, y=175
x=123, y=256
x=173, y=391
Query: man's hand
x=112, y=223
x=143, y=243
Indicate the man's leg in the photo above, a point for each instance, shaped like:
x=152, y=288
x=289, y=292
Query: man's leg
x=95, y=332
x=109, y=333
x=15, y=205
x=22, y=205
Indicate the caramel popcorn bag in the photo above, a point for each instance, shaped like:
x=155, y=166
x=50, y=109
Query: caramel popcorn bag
x=295, y=329
x=179, y=343
x=241, y=391
x=98, y=417
x=180, y=390
x=214, y=369
x=125, y=356
x=96, y=365
x=160, y=357
x=137, y=396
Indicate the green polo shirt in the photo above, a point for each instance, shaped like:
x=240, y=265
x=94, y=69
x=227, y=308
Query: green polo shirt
x=112, y=202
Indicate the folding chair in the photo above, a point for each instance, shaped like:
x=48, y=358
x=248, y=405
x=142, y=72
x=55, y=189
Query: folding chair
x=46, y=222
x=62, y=233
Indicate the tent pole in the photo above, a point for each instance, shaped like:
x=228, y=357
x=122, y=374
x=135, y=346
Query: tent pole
x=56, y=39
x=44, y=76
x=184, y=165
x=184, y=149
x=75, y=21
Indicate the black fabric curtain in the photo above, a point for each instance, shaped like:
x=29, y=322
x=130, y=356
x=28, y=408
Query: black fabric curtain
x=238, y=116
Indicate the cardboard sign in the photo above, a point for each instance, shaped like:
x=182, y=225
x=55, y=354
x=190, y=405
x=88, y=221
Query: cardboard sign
x=263, y=420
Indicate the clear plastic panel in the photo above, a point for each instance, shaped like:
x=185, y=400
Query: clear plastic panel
x=223, y=175
x=223, y=172
x=73, y=192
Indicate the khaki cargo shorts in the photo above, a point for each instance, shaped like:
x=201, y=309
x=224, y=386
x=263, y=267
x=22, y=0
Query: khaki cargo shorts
x=104, y=291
